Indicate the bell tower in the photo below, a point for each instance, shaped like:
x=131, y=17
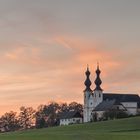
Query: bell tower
x=87, y=97
x=98, y=91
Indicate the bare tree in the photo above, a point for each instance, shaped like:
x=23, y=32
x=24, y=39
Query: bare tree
x=27, y=117
x=10, y=121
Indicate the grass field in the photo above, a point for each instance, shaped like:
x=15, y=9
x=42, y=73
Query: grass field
x=123, y=129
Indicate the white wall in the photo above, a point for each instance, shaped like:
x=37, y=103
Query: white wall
x=97, y=97
x=100, y=114
x=88, y=105
x=131, y=107
x=90, y=102
x=70, y=121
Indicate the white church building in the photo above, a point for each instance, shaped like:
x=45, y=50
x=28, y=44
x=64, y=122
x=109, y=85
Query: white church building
x=97, y=101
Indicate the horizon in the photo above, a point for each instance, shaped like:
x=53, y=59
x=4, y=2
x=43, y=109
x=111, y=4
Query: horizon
x=46, y=46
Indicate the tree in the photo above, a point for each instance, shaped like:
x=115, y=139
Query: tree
x=76, y=106
x=40, y=117
x=48, y=113
x=51, y=111
x=95, y=117
x=27, y=117
x=114, y=114
x=40, y=123
x=64, y=107
x=122, y=114
x=9, y=121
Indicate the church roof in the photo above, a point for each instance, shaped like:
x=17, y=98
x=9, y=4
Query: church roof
x=70, y=114
x=105, y=105
x=121, y=97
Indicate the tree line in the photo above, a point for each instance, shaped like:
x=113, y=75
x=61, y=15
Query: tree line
x=44, y=116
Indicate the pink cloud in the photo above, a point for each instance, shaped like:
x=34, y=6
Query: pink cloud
x=36, y=75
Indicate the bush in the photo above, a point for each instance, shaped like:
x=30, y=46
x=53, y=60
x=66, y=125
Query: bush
x=114, y=114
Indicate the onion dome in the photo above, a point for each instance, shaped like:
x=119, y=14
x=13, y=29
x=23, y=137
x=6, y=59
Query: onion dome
x=98, y=81
x=87, y=81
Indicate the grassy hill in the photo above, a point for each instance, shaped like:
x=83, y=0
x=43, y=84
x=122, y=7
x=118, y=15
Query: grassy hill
x=123, y=129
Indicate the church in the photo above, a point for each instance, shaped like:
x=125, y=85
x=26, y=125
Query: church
x=96, y=101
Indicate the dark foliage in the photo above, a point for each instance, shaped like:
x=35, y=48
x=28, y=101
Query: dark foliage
x=95, y=116
x=45, y=116
x=40, y=123
x=51, y=112
x=9, y=121
x=114, y=114
x=26, y=117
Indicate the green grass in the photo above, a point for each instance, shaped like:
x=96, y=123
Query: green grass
x=123, y=129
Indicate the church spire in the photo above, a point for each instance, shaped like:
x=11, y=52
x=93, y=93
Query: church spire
x=98, y=81
x=87, y=81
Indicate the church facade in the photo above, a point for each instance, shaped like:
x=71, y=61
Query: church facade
x=96, y=101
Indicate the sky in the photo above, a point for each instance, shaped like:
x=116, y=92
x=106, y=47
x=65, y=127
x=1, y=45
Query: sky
x=45, y=46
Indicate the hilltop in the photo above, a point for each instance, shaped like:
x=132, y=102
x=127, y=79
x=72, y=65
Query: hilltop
x=122, y=129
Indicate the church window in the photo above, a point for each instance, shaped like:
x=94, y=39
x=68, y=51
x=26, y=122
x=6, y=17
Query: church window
x=91, y=103
x=99, y=95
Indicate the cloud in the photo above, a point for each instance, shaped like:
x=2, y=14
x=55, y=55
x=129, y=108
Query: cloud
x=56, y=70
x=46, y=46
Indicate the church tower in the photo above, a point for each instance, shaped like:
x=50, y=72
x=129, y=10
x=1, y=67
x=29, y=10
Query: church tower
x=98, y=92
x=88, y=98
x=92, y=98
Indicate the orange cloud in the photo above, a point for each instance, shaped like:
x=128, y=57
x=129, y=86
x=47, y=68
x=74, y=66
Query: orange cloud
x=36, y=75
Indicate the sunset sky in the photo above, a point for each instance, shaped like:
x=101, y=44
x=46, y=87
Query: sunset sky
x=45, y=46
